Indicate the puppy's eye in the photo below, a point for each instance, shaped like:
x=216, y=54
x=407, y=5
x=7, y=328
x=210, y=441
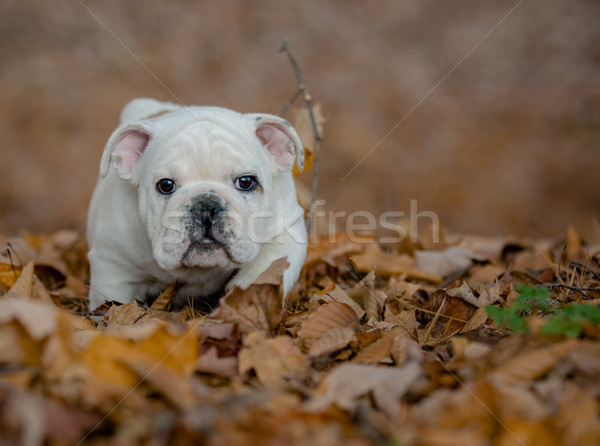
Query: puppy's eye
x=165, y=186
x=246, y=183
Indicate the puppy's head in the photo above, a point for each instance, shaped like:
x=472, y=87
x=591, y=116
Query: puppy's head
x=207, y=180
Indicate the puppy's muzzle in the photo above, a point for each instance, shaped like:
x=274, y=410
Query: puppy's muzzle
x=206, y=210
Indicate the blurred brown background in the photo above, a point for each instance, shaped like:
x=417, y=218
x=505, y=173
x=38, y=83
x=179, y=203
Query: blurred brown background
x=506, y=144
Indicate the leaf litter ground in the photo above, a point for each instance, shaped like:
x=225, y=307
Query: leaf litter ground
x=375, y=345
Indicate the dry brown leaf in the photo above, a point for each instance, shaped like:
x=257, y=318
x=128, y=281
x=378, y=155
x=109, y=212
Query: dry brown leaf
x=332, y=341
x=38, y=319
x=8, y=275
x=126, y=315
x=348, y=382
x=478, y=319
x=574, y=244
x=219, y=348
x=105, y=355
x=464, y=292
x=336, y=294
x=39, y=291
x=177, y=389
x=405, y=349
x=485, y=274
x=166, y=297
x=210, y=362
x=530, y=364
x=444, y=263
x=304, y=127
x=372, y=300
x=378, y=351
x=260, y=307
x=274, y=360
x=406, y=319
x=23, y=285
x=325, y=318
x=490, y=294
x=389, y=264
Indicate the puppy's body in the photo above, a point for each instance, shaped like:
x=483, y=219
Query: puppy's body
x=202, y=196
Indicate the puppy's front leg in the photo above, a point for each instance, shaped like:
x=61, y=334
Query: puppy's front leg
x=108, y=283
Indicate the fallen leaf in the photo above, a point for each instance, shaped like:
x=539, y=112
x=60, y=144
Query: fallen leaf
x=23, y=285
x=445, y=263
x=108, y=356
x=348, y=382
x=126, y=315
x=274, y=361
x=177, y=389
x=530, y=365
x=304, y=127
x=260, y=306
x=8, y=275
x=388, y=264
x=210, y=362
x=379, y=350
x=464, y=292
x=332, y=341
x=325, y=318
x=405, y=319
x=336, y=294
x=479, y=318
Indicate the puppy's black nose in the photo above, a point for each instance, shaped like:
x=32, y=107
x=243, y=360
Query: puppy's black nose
x=206, y=212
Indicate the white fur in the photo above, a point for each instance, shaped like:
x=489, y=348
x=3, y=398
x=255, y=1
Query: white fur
x=140, y=240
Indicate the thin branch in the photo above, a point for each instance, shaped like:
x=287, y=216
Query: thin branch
x=583, y=267
x=309, y=104
x=290, y=102
x=577, y=289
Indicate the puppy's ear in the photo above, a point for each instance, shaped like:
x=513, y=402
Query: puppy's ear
x=281, y=140
x=124, y=149
x=145, y=108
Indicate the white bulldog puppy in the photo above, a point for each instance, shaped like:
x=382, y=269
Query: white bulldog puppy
x=201, y=196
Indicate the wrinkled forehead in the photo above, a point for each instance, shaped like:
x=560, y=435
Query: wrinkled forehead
x=208, y=150
x=202, y=133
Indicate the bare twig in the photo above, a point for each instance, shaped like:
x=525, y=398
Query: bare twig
x=580, y=290
x=302, y=90
x=290, y=102
x=12, y=264
x=584, y=268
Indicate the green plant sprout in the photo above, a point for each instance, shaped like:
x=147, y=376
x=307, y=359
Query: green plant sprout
x=566, y=321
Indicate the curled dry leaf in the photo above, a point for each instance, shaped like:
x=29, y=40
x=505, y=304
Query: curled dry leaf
x=106, y=355
x=464, y=292
x=336, y=294
x=406, y=319
x=325, y=318
x=444, y=263
x=332, y=341
x=178, y=390
x=274, y=360
x=530, y=364
x=8, y=276
x=23, y=285
x=405, y=349
x=127, y=315
x=346, y=384
x=379, y=350
x=210, y=362
x=260, y=306
x=477, y=320
x=387, y=264
x=219, y=348
x=304, y=128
